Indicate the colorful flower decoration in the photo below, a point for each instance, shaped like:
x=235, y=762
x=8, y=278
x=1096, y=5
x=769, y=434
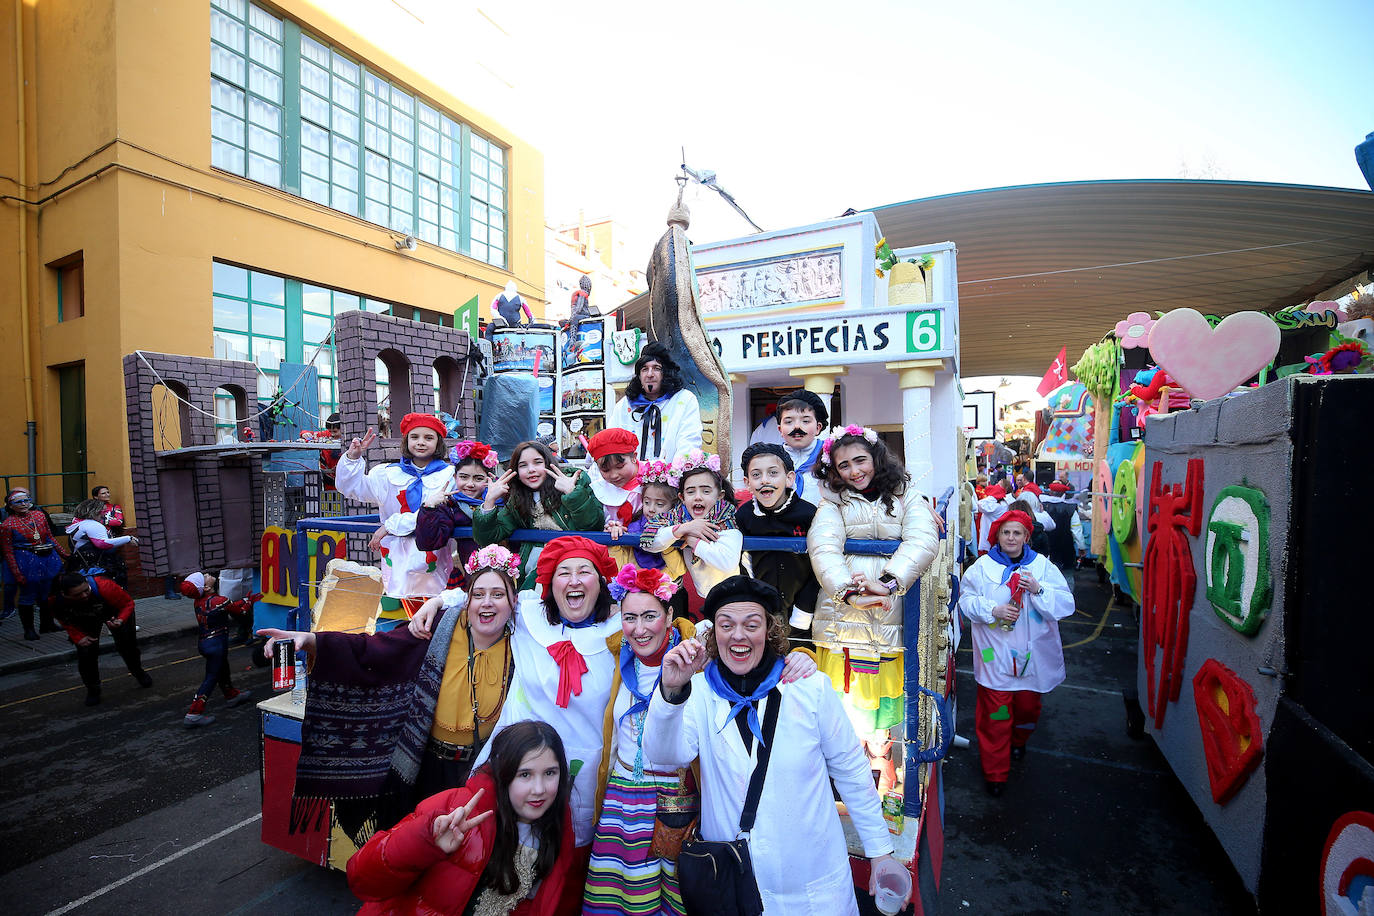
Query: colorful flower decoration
x=633, y=579
x=1342, y=358
x=863, y=432
x=469, y=449
x=495, y=557
x=655, y=471
x=1134, y=330
x=695, y=460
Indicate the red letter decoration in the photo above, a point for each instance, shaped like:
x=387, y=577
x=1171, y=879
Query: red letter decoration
x=1169, y=584
x=1232, y=736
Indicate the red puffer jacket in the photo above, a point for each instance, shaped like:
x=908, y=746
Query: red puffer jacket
x=400, y=872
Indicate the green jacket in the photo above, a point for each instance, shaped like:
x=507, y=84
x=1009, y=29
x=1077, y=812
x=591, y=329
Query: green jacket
x=579, y=511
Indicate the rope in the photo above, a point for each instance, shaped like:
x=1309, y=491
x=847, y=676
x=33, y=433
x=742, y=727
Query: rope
x=270, y=407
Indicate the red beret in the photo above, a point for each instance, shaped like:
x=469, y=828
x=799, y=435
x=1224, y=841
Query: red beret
x=560, y=549
x=422, y=421
x=613, y=441
x=1015, y=515
x=996, y=491
x=1059, y=487
x=1033, y=488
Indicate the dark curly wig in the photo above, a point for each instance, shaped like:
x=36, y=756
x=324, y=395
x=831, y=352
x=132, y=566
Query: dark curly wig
x=672, y=373
x=890, y=479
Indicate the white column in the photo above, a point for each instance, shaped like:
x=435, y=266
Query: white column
x=916, y=379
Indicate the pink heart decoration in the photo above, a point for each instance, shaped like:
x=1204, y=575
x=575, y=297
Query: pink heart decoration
x=1209, y=362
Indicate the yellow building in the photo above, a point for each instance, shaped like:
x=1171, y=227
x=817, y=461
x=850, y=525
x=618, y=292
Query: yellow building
x=220, y=179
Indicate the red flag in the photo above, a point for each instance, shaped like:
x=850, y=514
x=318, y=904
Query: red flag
x=1056, y=375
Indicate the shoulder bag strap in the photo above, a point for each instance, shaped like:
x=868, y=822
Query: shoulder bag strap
x=770, y=725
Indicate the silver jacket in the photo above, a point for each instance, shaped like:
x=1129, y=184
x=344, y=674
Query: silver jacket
x=875, y=630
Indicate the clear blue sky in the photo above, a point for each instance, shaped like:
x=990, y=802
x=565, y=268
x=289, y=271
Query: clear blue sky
x=805, y=108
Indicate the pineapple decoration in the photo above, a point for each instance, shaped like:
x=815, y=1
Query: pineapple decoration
x=911, y=281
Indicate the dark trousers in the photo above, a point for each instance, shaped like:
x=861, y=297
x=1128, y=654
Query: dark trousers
x=126, y=643
x=216, y=653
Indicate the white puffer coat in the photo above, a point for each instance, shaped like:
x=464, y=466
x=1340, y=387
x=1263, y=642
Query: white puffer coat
x=869, y=631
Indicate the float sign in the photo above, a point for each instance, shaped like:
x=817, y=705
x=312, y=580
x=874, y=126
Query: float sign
x=840, y=338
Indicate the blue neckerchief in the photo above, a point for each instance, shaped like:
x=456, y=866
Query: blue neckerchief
x=807, y=465
x=591, y=621
x=630, y=678
x=739, y=703
x=1010, y=566
x=415, y=490
x=642, y=402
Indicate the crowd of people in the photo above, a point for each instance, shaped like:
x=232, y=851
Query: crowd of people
x=547, y=726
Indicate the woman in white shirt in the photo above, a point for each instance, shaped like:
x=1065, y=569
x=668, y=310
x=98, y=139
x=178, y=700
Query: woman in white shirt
x=797, y=844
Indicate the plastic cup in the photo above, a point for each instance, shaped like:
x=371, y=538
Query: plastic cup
x=893, y=888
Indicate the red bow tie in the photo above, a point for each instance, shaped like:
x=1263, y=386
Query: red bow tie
x=571, y=667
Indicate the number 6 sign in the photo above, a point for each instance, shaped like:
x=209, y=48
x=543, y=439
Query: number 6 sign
x=922, y=331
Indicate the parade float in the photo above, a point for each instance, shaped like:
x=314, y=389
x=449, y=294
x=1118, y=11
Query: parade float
x=1248, y=455
x=803, y=307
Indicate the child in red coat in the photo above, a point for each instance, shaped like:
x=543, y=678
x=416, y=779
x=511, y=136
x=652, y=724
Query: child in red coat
x=503, y=841
x=212, y=614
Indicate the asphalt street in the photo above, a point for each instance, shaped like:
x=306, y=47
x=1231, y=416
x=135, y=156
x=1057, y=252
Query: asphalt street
x=120, y=809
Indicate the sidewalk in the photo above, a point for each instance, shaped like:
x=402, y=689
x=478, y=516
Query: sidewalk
x=157, y=618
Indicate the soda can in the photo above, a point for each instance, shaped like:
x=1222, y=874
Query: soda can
x=283, y=664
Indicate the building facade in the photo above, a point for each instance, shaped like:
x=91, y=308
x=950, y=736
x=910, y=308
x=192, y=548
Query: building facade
x=222, y=179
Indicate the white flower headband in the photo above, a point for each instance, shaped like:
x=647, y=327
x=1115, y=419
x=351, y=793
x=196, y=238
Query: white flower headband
x=863, y=432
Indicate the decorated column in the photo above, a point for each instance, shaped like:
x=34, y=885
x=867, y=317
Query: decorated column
x=916, y=379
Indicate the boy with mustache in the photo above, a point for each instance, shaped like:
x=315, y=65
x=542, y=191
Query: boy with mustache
x=801, y=418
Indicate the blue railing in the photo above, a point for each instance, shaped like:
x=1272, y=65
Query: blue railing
x=911, y=604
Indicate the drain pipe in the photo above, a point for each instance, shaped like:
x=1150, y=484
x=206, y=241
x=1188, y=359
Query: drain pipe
x=31, y=425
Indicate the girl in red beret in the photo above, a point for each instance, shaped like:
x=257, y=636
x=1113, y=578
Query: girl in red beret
x=398, y=489
x=538, y=493
x=1014, y=599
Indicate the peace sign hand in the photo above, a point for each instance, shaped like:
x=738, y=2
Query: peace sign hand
x=564, y=483
x=498, y=490
x=358, y=446
x=449, y=829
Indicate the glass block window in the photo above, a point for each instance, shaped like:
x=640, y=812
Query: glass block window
x=247, y=61
x=389, y=155
x=487, y=201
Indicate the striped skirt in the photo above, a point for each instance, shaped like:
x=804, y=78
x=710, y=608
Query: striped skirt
x=624, y=879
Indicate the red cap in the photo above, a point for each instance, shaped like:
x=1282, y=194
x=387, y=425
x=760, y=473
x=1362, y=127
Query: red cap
x=612, y=441
x=560, y=549
x=1015, y=515
x=1059, y=487
x=1032, y=487
x=193, y=585
x=422, y=421
x=996, y=491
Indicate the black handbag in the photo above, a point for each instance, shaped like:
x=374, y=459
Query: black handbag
x=716, y=877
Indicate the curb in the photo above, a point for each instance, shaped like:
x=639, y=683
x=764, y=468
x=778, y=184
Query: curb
x=107, y=647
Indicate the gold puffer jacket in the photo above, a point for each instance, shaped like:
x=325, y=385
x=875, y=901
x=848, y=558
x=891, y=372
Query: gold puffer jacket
x=869, y=631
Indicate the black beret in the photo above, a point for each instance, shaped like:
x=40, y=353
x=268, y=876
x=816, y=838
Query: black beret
x=810, y=399
x=742, y=588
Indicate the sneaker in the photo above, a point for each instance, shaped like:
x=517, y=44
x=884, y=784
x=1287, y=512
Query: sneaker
x=93, y=697
x=196, y=720
x=239, y=698
x=144, y=679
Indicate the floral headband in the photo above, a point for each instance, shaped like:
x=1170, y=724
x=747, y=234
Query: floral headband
x=494, y=557
x=863, y=432
x=657, y=472
x=478, y=450
x=695, y=460
x=633, y=579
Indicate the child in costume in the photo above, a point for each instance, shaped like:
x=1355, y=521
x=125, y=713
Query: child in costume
x=502, y=843
x=658, y=496
x=858, y=623
x=776, y=510
x=614, y=473
x=474, y=466
x=94, y=549
x=409, y=575
x=702, y=526
x=538, y=493
x=1014, y=599
x=802, y=417
x=212, y=616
